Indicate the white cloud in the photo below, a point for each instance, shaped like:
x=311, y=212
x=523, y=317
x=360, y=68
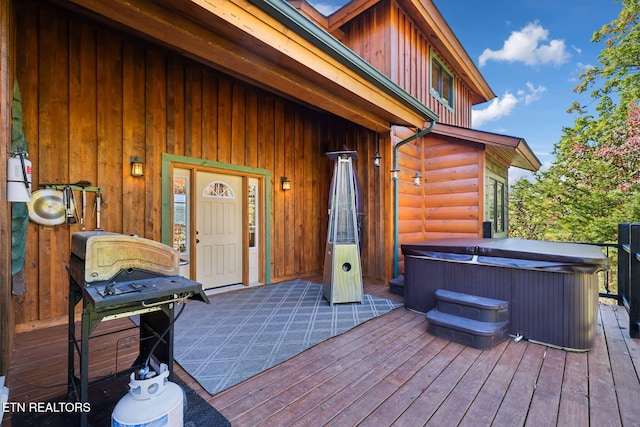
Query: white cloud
x=499, y=107
x=579, y=69
x=534, y=93
x=503, y=106
x=524, y=46
x=583, y=67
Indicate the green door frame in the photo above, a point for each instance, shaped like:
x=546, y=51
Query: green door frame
x=166, y=231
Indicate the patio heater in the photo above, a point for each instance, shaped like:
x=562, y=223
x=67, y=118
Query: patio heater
x=342, y=278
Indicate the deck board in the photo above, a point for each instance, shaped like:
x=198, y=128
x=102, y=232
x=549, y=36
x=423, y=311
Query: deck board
x=413, y=388
x=602, y=400
x=322, y=373
x=487, y=402
x=388, y=371
x=443, y=383
x=340, y=391
x=322, y=361
x=393, y=406
x=543, y=410
x=514, y=408
x=574, y=402
x=462, y=396
x=625, y=376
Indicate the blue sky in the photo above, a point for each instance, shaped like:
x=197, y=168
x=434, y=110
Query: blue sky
x=531, y=53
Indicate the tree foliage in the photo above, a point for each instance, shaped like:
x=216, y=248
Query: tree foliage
x=594, y=183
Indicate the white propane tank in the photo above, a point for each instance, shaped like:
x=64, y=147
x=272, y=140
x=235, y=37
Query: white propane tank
x=18, y=185
x=152, y=401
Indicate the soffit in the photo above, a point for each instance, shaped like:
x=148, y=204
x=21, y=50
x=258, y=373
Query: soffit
x=512, y=150
x=244, y=41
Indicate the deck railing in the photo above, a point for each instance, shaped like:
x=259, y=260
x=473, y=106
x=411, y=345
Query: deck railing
x=609, y=278
x=629, y=274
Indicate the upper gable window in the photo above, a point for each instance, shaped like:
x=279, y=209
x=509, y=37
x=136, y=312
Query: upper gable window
x=441, y=82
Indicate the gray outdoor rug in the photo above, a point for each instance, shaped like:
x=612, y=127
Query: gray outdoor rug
x=243, y=333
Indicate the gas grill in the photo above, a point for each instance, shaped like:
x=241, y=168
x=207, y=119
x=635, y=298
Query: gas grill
x=116, y=275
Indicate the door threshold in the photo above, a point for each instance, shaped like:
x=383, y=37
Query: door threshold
x=230, y=288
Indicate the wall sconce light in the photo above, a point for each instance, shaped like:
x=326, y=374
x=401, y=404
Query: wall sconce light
x=376, y=160
x=417, y=179
x=137, y=167
x=286, y=184
x=394, y=174
x=377, y=157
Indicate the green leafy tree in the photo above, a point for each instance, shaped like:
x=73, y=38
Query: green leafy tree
x=594, y=183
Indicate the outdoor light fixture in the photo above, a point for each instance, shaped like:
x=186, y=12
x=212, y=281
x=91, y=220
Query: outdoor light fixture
x=377, y=157
x=137, y=167
x=286, y=184
x=417, y=179
x=376, y=160
x=394, y=174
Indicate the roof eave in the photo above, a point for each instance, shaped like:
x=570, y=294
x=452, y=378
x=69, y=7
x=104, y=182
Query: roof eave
x=287, y=15
x=271, y=45
x=429, y=18
x=429, y=15
x=521, y=154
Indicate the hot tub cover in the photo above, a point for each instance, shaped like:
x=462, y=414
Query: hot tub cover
x=517, y=253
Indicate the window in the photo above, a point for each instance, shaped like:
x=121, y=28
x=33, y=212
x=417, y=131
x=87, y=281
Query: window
x=219, y=190
x=441, y=82
x=497, y=205
x=180, y=210
x=252, y=210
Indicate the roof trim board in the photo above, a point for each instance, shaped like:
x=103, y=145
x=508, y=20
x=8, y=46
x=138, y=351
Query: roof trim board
x=514, y=149
x=288, y=15
x=270, y=44
x=430, y=20
x=453, y=49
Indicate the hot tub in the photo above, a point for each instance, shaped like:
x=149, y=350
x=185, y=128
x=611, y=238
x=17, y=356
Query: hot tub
x=551, y=287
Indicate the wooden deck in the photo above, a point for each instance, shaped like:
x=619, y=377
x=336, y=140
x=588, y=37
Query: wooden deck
x=390, y=371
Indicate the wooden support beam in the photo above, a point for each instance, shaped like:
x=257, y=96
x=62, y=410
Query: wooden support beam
x=237, y=38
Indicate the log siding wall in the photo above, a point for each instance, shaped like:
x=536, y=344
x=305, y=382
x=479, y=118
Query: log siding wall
x=93, y=97
x=453, y=189
x=449, y=203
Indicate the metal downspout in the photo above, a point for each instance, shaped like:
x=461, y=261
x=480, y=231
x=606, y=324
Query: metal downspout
x=395, y=192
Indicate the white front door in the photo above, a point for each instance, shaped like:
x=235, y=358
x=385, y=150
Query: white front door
x=218, y=229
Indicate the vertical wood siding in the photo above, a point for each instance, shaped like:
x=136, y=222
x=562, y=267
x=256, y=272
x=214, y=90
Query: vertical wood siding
x=389, y=39
x=93, y=97
x=7, y=52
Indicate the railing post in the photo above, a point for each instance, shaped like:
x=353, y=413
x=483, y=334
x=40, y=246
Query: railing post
x=624, y=259
x=634, y=282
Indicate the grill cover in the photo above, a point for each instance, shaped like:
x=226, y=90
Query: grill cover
x=106, y=254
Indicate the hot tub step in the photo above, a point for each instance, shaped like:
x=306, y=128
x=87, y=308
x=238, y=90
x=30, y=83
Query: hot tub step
x=472, y=306
x=396, y=285
x=473, y=333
